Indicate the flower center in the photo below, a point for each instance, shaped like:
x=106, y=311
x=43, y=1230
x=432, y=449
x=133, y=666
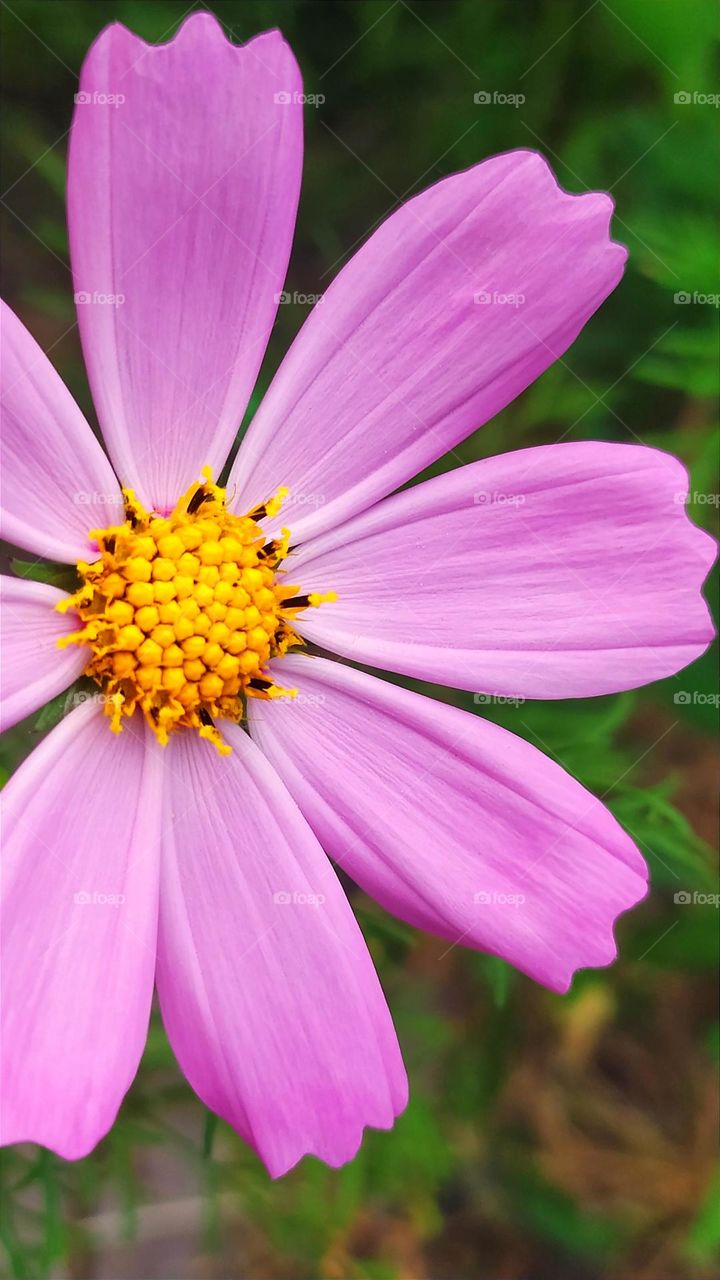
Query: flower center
x=182, y=613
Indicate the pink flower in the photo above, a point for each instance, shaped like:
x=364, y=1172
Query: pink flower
x=560, y=571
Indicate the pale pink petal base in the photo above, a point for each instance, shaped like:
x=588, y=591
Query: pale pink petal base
x=184, y=174
x=33, y=668
x=79, y=913
x=267, y=990
x=449, y=821
x=450, y=309
x=55, y=481
x=559, y=572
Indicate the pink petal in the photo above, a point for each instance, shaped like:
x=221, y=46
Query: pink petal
x=79, y=929
x=182, y=194
x=56, y=481
x=267, y=990
x=403, y=358
x=558, y=572
x=33, y=668
x=449, y=821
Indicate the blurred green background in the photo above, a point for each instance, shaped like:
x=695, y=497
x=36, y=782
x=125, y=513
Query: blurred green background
x=547, y=1138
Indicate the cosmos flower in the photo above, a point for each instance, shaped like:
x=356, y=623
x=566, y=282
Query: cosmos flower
x=151, y=839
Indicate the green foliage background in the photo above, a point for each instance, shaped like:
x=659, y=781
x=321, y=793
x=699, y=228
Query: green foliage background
x=546, y=1137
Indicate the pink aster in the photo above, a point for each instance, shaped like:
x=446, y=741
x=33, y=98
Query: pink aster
x=553, y=572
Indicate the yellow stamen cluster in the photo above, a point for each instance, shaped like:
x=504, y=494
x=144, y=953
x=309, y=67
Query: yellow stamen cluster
x=182, y=613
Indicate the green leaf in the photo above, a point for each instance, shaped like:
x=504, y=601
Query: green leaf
x=53, y=711
x=685, y=359
x=209, y=1131
x=554, y=1216
x=499, y=976
x=41, y=571
x=703, y=1242
x=687, y=943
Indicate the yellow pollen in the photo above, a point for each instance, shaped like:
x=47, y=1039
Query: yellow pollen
x=182, y=613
